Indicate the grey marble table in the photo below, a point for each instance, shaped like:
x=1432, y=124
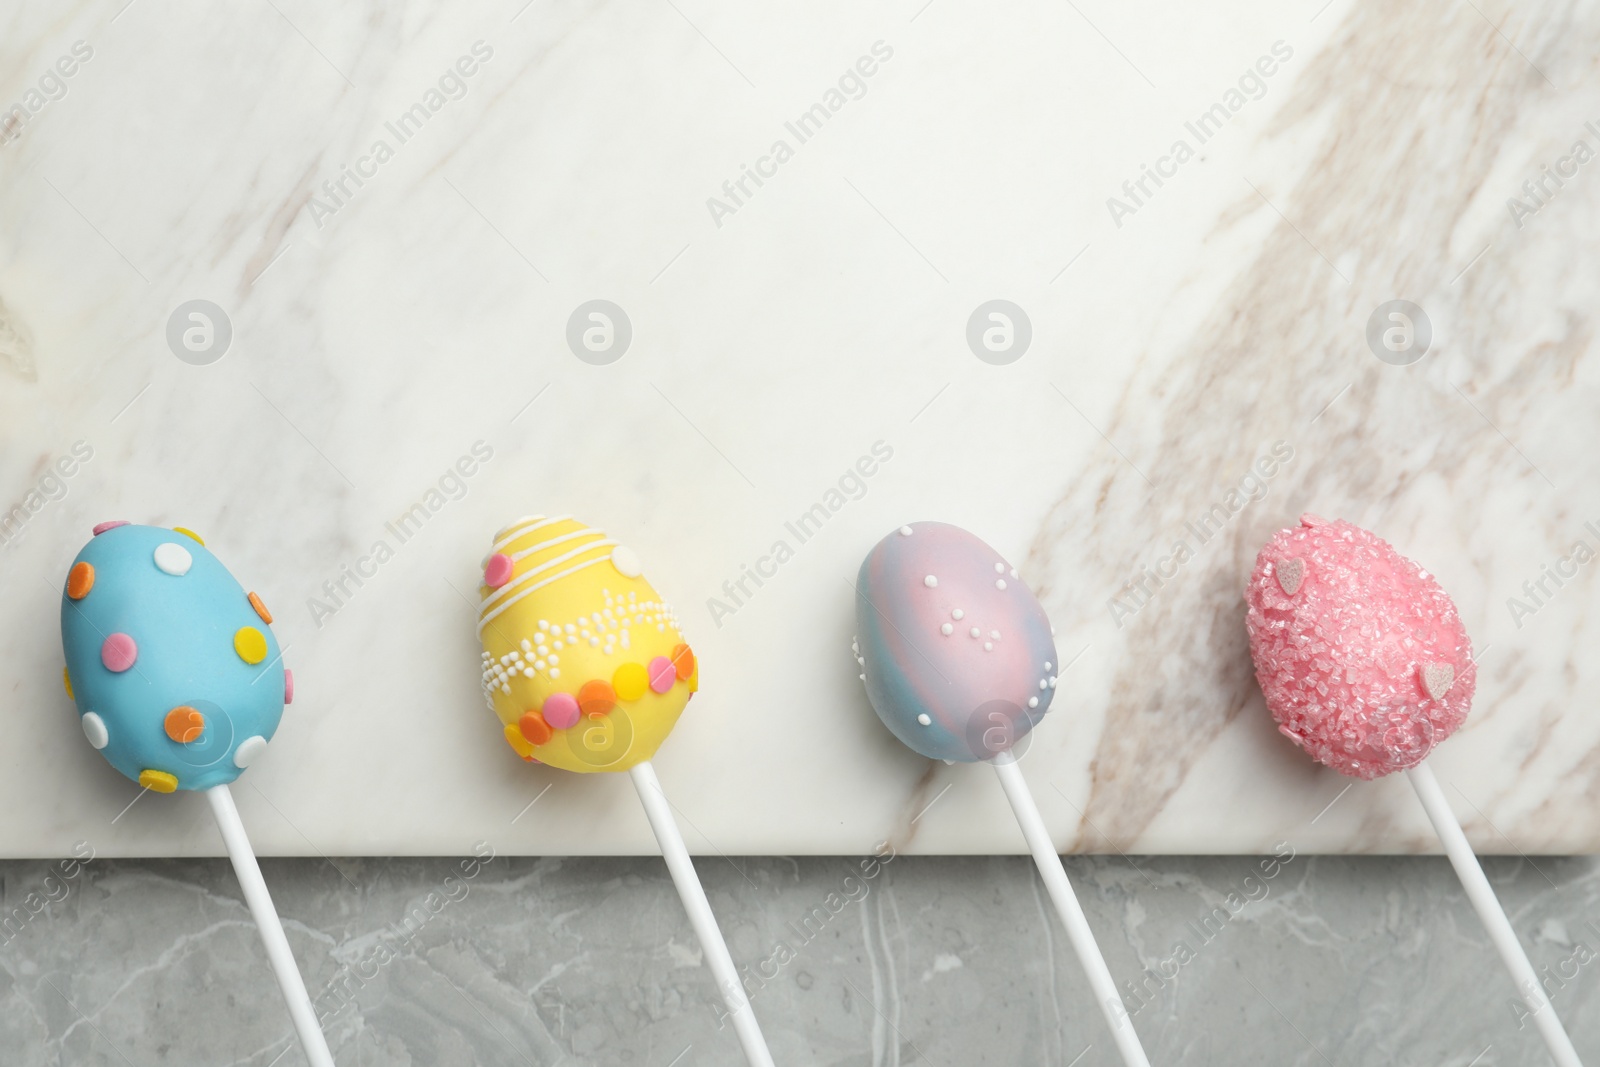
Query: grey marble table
x=945, y=961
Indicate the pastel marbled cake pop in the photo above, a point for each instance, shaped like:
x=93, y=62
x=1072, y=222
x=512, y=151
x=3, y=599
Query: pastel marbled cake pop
x=174, y=668
x=1361, y=655
x=582, y=660
x=956, y=652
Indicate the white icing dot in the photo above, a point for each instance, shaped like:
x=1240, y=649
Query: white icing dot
x=173, y=559
x=571, y=629
x=1052, y=681
x=1033, y=702
x=1046, y=664
x=626, y=562
x=947, y=629
x=540, y=665
x=930, y=581
x=905, y=531
x=555, y=672
x=94, y=728
x=594, y=642
x=248, y=750
x=995, y=634
x=527, y=646
x=544, y=624
x=1013, y=572
x=999, y=583
x=527, y=672
x=999, y=568
x=1043, y=684
x=923, y=718
x=557, y=644
x=958, y=614
x=554, y=659
x=988, y=646
x=976, y=632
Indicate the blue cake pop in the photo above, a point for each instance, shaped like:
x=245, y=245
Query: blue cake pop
x=177, y=677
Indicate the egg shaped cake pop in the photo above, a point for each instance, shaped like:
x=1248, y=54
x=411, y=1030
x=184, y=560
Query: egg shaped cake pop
x=173, y=666
x=583, y=661
x=1362, y=657
x=956, y=652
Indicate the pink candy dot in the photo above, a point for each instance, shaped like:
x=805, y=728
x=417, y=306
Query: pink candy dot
x=498, y=571
x=288, y=686
x=102, y=527
x=118, y=653
x=560, y=710
x=662, y=674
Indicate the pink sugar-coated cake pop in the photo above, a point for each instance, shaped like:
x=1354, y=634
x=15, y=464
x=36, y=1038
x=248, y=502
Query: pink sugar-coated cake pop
x=1361, y=655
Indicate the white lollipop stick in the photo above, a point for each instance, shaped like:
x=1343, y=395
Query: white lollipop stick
x=704, y=922
x=1072, y=917
x=1465, y=861
x=266, y=917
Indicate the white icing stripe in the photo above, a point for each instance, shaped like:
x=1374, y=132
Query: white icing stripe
x=541, y=568
x=527, y=525
x=542, y=545
x=487, y=619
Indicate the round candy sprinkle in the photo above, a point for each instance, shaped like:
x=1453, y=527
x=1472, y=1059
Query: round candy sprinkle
x=158, y=781
x=626, y=562
x=561, y=710
x=185, y=724
x=261, y=609
x=498, y=570
x=518, y=743
x=596, y=698
x=80, y=580
x=250, y=644
x=118, y=653
x=662, y=674
x=249, y=749
x=102, y=527
x=190, y=534
x=94, y=728
x=534, y=728
x=630, y=681
x=172, y=558
x=66, y=680
x=683, y=661
x=288, y=686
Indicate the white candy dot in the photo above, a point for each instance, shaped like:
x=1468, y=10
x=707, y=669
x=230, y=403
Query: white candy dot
x=988, y=646
x=555, y=672
x=248, y=750
x=1033, y=702
x=947, y=629
x=930, y=581
x=1043, y=684
x=923, y=718
x=1013, y=572
x=1046, y=664
x=999, y=583
x=995, y=634
x=999, y=568
x=94, y=728
x=976, y=632
x=626, y=562
x=173, y=559
x=905, y=531
x=958, y=614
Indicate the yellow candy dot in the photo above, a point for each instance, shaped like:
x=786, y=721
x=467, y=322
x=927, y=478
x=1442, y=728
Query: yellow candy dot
x=159, y=781
x=518, y=743
x=66, y=680
x=189, y=534
x=630, y=681
x=250, y=644
x=694, y=679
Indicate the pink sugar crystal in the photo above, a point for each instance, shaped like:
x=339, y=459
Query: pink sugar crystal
x=1361, y=655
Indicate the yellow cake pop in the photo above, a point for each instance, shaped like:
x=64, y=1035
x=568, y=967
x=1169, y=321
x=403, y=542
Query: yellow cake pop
x=583, y=661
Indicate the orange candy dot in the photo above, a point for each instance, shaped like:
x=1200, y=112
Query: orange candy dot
x=261, y=609
x=596, y=698
x=682, y=661
x=185, y=724
x=534, y=728
x=80, y=580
